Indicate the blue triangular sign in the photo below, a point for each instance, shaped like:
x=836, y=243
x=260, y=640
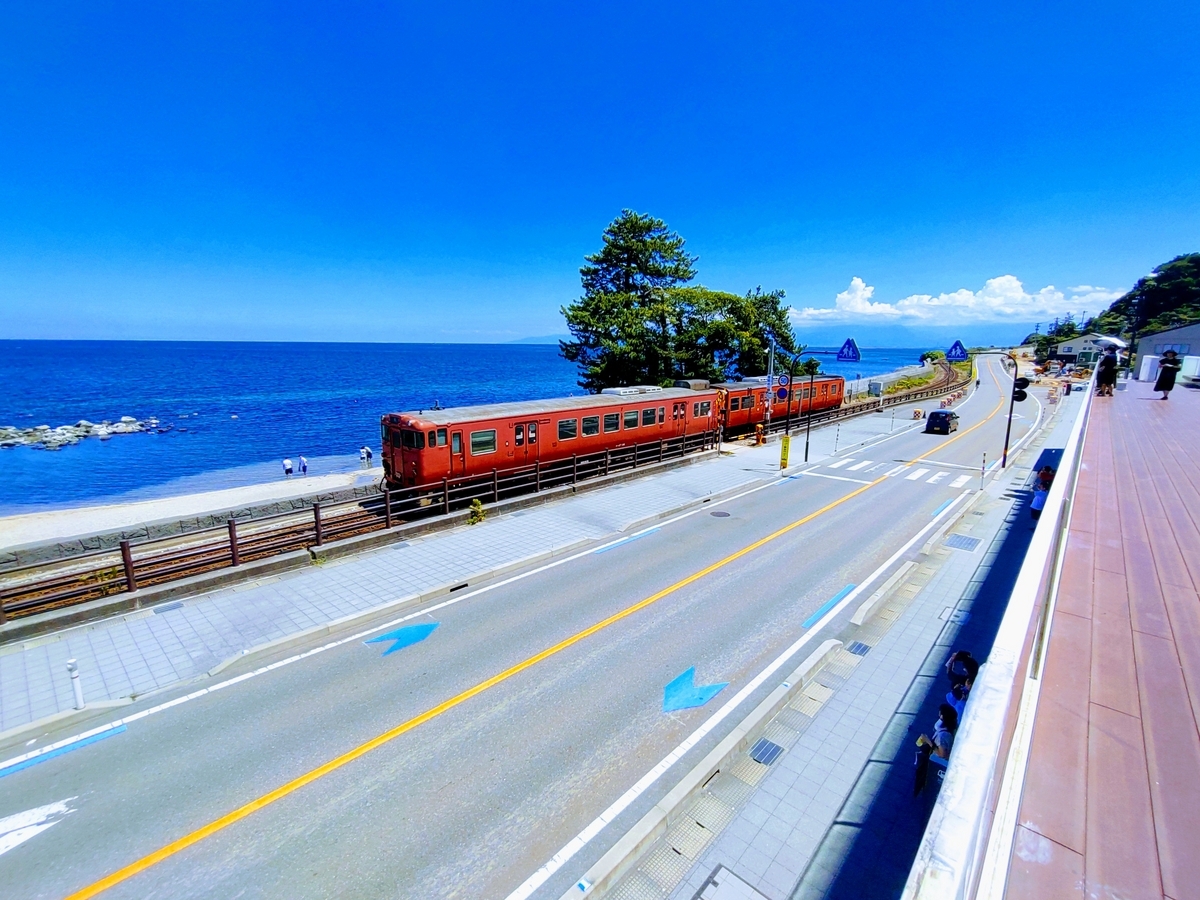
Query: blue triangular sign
x=957, y=353
x=849, y=352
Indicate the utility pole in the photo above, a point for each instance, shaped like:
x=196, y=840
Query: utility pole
x=770, y=384
x=1018, y=393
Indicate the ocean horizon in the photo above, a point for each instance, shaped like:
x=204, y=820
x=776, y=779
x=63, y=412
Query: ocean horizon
x=236, y=409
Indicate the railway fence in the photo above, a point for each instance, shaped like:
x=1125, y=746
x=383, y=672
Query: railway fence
x=27, y=590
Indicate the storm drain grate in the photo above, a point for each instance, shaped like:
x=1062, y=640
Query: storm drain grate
x=858, y=648
x=765, y=752
x=719, y=513
x=962, y=542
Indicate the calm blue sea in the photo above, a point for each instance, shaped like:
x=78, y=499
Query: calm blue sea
x=320, y=400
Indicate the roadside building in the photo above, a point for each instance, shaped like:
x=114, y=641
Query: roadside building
x=1184, y=340
x=1084, y=349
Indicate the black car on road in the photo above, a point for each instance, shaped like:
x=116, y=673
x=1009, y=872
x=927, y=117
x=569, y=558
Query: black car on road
x=941, y=421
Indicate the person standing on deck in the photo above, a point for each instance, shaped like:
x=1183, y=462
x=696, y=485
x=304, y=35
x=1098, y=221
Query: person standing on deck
x=1106, y=373
x=1168, y=368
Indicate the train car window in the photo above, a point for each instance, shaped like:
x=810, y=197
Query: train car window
x=824, y=389
x=383, y=433
x=662, y=414
x=631, y=418
x=519, y=435
x=533, y=432
x=568, y=429
x=591, y=425
x=612, y=422
x=483, y=442
x=748, y=402
x=648, y=416
x=441, y=437
x=735, y=403
x=705, y=408
x=456, y=442
x=433, y=438
x=695, y=410
x=412, y=440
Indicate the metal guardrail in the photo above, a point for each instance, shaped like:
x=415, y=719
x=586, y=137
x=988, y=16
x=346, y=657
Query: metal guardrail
x=967, y=844
x=44, y=586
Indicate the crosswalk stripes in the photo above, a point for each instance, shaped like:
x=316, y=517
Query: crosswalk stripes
x=851, y=464
x=861, y=465
x=960, y=481
x=840, y=463
x=917, y=474
x=938, y=477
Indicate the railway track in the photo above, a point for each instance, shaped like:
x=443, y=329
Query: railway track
x=44, y=587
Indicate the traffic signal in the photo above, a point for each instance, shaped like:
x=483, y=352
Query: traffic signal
x=1019, y=386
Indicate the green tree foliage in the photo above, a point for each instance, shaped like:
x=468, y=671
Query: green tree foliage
x=808, y=367
x=639, y=320
x=1167, y=298
x=933, y=355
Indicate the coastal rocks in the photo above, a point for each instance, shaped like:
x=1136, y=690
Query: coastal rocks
x=47, y=438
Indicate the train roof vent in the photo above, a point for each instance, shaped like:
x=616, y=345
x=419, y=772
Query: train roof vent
x=633, y=389
x=693, y=384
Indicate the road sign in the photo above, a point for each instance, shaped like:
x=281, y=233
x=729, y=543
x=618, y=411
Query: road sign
x=782, y=393
x=957, y=353
x=849, y=352
x=782, y=379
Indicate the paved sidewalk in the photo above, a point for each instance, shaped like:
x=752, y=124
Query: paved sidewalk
x=159, y=647
x=791, y=823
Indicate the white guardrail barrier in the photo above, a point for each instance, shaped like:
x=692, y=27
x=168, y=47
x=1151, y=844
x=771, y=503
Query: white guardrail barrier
x=967, y=845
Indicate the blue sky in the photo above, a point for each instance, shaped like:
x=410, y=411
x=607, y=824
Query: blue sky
x=372, y=171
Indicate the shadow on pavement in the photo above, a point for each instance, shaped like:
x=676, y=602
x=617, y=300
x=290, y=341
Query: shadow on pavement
x=869, y=849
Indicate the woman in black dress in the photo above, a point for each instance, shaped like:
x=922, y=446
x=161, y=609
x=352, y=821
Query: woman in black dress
x=1106, y=373
x=1168, y=368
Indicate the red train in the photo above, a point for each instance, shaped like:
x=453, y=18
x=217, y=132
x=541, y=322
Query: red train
x=426, y=446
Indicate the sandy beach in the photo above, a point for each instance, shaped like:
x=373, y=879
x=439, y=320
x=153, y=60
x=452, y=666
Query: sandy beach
x=61, y=524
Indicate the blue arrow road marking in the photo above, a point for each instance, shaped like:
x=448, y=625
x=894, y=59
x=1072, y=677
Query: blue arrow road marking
x=682, y=693
x=405, y=637
x=615, y=544
x=942, y=507
x=829, y=604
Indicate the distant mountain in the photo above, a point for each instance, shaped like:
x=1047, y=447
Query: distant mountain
x=543, y=339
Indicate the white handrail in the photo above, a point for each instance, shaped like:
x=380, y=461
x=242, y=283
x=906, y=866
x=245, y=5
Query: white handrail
x=989, y=748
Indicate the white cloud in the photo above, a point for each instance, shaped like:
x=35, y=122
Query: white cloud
x=1001, y=299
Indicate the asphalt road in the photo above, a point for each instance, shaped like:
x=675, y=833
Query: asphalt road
x=473, y=798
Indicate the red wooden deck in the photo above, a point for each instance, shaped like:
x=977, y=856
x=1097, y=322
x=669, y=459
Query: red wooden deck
x=1111, y=805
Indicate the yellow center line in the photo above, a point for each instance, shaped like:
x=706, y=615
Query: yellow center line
x=338, y=762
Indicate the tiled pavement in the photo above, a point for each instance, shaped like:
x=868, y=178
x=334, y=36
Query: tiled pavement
x=1111, y=801
x=844, y=738
x=156, y=648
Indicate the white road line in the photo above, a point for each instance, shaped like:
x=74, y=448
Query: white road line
x=581, y=840
x=915, y=475
x=938, y=477
x=861, y=465
x=894, y=472
x=836, y=477
x=17, y=829
x=840, y=463
x=116, y=723
x=960, y=481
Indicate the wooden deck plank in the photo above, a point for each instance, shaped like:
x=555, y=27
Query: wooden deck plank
x=1121, y=859
x=1114, y=675
x=1172, y=742
x=1075, y=585
x=1147, y=607
x=1054, y=801
x=1044, y=869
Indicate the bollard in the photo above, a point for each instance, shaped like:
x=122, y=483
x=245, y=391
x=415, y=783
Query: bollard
x=76, y=686
x=387, y=507
x=495, y=486
x=446, y=495
x=318, y=530
x=537, y=475
x=574, y=468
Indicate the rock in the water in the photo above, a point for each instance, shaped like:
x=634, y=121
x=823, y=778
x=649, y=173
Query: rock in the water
x=48, y=438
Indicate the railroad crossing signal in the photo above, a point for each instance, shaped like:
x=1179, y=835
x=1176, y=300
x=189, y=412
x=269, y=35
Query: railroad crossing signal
x=1019, y=386
x=957, y=353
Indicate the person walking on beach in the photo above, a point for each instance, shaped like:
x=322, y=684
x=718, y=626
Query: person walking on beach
x=1106, y=373
x=1168, y=368
x=362, y=456
x=370, y=456
x=287, y=468
x=303, y=466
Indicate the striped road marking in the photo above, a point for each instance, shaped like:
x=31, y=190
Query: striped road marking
x=861, y=465
x=917, y=474
x=840, y=463
x=938, y=477
x=960, y=481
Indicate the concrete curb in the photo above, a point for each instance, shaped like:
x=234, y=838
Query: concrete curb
x=624, y=855
x=64, y=716
x=868, y=607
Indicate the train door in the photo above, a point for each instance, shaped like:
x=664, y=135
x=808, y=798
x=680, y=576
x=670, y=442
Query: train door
x=526, y=446
x=679, y=418
x=458, y=456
